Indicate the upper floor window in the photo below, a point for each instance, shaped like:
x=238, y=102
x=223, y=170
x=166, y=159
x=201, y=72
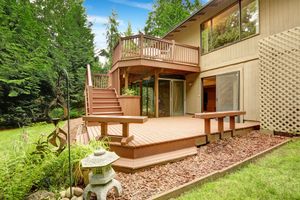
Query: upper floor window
x=235, y=23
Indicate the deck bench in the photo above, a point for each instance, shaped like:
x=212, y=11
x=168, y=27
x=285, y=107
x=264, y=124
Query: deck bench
x=124, y=120
x=220, y=117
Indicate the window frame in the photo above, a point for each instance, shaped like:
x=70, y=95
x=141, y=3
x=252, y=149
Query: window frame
x=239, y=3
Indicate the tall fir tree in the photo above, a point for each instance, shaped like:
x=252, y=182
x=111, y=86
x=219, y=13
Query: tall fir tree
x=37, y=40
x=168, y=13
x=112, y=38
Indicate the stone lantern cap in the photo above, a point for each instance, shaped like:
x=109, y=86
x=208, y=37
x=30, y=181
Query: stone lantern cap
x=99, y=158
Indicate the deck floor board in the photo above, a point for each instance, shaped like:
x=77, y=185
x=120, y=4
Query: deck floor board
x=159, y=130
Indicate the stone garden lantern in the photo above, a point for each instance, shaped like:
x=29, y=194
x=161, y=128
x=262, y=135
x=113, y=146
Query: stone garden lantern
x=101, y=177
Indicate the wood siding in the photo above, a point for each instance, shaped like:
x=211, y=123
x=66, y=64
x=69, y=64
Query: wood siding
x=275, y=16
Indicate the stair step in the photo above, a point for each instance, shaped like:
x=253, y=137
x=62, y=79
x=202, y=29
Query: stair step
x=97, y=95
x=106, y=102
x=105, y=98
x=103, y=92
x=106, y=108
x=129, y=165
x=104, y=89
x=108, y=113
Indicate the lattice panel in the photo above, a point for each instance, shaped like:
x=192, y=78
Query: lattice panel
x=279, y=57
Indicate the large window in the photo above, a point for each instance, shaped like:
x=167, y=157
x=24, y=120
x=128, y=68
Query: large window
x=235, y=23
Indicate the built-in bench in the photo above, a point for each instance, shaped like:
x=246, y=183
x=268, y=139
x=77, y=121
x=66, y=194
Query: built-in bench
x=220, y=117
x=124, y=120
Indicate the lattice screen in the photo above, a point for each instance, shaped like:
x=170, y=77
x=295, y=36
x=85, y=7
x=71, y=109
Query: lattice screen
x=280, y=81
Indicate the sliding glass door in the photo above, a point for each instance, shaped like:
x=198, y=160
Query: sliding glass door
x=171, y=97
x=227, y=91
x=177, y=97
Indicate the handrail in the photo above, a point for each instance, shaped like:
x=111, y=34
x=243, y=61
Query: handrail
x=89, y=75
x=148, y=47
x=88, y=90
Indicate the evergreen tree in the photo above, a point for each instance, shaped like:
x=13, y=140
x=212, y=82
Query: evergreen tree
x=168, y=13
x=128, y=31
x=37, y=40
x=112, y=37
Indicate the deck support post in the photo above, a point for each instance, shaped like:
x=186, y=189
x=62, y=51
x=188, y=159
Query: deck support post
x=232, y=125
x=156, y=93
x=103, y=129
x=207, y=129
x=126, y=74
x=221, y=126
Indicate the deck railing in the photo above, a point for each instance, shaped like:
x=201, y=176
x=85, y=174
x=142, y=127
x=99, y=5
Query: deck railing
x=101, y=81
x=147, y=47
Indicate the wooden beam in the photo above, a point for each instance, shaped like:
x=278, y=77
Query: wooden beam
x=126, y=78
x=156, y=93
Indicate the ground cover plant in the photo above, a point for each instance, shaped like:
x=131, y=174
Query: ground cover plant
x=31, y=164
x=275, y=176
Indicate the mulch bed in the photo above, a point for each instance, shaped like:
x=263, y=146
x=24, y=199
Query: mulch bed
x=216, y=156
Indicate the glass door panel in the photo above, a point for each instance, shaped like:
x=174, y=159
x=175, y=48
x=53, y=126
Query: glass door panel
x=227, y=91
x=177, y=97
x=164, y=98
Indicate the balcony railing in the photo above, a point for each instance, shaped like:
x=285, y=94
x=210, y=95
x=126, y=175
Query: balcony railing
x=146, y=47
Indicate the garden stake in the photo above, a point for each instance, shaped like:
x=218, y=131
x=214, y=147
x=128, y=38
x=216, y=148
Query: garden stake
x=69, y=140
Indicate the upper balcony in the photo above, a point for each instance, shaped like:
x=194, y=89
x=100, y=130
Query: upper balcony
x=142, y=50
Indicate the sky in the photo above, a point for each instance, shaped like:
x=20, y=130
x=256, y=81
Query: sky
x=133, y=11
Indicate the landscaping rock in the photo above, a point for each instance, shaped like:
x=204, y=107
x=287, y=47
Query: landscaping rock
x=68, y=194
x=212, y=157
x=41, y=195
x=62, y=194
x=77, y=191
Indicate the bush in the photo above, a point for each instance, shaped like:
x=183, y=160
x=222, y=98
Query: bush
x=23, y=171
x=129, y=92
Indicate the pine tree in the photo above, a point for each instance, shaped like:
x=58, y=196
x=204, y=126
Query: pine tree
x=168, y=13
x=128, y=31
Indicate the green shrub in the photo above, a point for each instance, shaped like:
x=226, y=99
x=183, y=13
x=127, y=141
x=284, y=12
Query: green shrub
x=57, y=113
x=129, y=92
x=76, y=112
x=23, y=171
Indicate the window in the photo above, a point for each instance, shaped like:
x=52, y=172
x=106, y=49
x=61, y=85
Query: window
x=205, y=36
x=235, y=23
x=249, y=17
x=225, y=27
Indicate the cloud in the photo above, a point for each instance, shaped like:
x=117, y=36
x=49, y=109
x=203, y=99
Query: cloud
x=95, y=19
x=147, y=6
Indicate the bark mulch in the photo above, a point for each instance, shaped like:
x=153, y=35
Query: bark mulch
x=216, y=156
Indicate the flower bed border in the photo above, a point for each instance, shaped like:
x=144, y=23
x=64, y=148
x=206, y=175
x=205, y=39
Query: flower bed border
x=177, y=191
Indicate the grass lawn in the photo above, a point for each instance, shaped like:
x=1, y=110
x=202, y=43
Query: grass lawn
x=276, y=176
x=9, y=137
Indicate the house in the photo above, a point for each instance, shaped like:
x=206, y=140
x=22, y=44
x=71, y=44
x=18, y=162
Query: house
x=229, y=55
x=175, y=77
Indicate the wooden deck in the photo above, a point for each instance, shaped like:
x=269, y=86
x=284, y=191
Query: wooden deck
x=160, y=138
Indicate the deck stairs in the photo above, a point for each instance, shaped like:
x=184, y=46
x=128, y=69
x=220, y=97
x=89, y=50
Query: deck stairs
x=104, y=102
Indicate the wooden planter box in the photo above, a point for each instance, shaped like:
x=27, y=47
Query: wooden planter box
x=130, y=105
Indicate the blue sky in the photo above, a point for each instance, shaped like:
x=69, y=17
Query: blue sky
x=133, y=11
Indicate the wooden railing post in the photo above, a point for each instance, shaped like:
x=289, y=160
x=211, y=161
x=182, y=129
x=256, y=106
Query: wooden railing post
x=89, y=88
x=173, y=50
x=221, y=126
x=207, y=129
x=232, y=125
x=141, y=44
x=120, y=49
